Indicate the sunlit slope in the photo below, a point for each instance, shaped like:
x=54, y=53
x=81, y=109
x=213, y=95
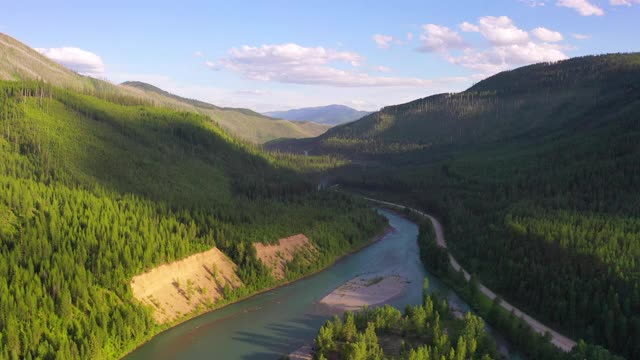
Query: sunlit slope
x=245, y=123
x=20, y=62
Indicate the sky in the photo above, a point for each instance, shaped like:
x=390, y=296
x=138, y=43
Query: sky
x=278, y=55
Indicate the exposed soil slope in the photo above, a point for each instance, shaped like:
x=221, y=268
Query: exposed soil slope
x=277, y=256
x=178, y=288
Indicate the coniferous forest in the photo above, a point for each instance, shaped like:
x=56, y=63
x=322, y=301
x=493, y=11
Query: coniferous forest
x=431, y=331
x=535, y=175
x=422, y=332
x=97, y=188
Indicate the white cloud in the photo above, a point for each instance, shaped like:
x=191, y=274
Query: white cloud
x=505, y=57
x=198, y=54
x=292, y=54
x=510, y=46
x=295, y=64
x=534, y=3
x=78, y=60
x=500, y=30
x=211, y=65
x=468, y=27
x=409, y=36
x=547, y=35
x=439, y=38
x=581, y=36
x=382, y=68
x=254, y=92
x=624, y=2
x=583, y=7
x=383, y=41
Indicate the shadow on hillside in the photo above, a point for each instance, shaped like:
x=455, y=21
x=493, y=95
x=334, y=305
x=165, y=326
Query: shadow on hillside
x=182, y=159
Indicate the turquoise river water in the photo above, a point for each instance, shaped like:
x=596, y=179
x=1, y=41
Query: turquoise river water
x=279, y=321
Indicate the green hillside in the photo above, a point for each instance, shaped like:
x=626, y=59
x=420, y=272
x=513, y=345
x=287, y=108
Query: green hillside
x=535, y=173
x=20, y=62
x=526, y=102
x=197, y=103
x=245, y=123
x=95, y=191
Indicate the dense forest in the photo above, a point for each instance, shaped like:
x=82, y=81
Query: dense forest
x=432, y=331
x=535, y=174
x=422, y=332
x=524, y=103
x=97, y=189
x=517, y=331
x=552, y=228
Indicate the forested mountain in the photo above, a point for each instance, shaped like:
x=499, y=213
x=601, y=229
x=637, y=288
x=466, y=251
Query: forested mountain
x=535, y=173
x=20, y=62
x=329, y=115
x=97, y=189
x=527, y=102
x=201, y=104
x=244, y=123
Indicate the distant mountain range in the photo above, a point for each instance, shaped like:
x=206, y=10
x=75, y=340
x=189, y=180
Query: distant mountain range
x=329, y=115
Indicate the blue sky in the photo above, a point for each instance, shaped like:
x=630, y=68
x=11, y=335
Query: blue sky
x=273, y=55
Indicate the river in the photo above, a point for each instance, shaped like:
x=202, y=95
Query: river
x=279, y=321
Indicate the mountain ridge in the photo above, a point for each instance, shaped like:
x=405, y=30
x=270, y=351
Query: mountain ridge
x=18, y=61
x=334, y=114
x=243, y=122
x=539, y=98
x=195, y=102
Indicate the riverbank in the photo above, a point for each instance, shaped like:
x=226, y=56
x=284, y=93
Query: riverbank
x=305, y=352
x=355, y=294
x=223, y=304
x=562, y=342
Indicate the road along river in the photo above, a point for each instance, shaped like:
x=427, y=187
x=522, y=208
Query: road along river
x=559, y=340
x=280, y=321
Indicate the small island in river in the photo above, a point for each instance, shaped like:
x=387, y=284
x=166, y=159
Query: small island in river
x=372, y=289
